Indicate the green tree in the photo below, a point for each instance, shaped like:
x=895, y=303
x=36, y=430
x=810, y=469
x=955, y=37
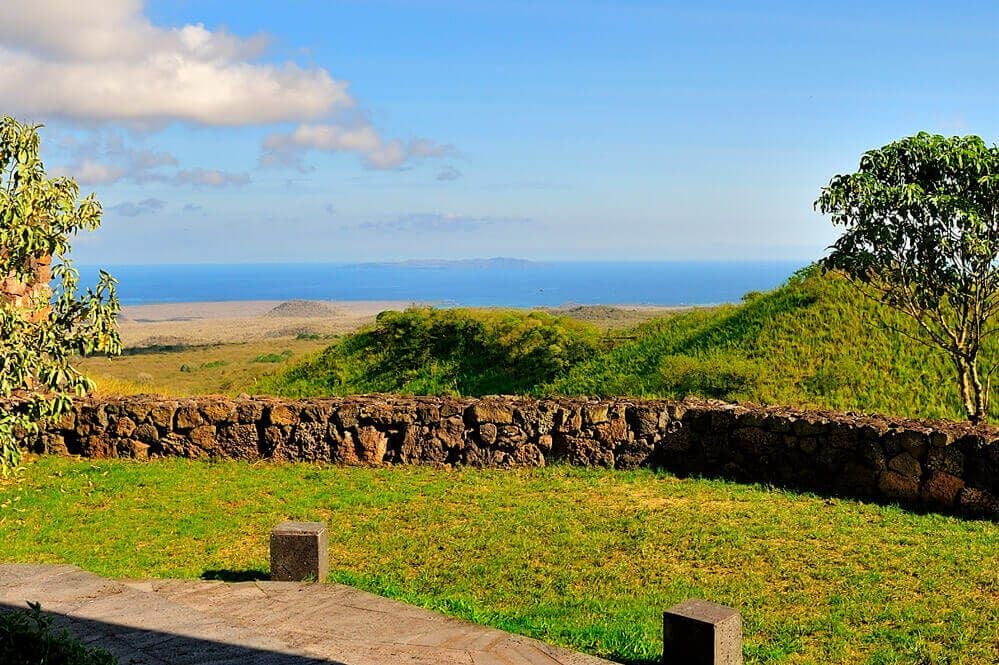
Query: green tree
x=43, y=325
x=921, y=220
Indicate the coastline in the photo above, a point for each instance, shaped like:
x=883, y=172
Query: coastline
x=238, y=321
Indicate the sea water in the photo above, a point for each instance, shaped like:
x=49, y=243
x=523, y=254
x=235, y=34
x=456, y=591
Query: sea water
x=502, y=283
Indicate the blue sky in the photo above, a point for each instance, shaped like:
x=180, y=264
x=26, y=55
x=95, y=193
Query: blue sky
x=337, y=131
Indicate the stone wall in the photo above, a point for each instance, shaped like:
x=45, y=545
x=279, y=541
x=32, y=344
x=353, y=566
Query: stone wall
x=940, y=465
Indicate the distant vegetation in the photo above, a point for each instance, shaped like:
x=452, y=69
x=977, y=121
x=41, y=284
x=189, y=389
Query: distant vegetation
x=815, y=341
x=432, y=351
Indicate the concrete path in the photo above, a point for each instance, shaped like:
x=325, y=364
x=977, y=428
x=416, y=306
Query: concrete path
x=274, y=623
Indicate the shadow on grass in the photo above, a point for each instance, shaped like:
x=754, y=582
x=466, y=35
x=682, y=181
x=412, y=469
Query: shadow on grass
x=767, y=483
x=236, y=575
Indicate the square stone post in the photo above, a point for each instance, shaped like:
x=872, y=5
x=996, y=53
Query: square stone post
x=697, y=632
x=300, y=551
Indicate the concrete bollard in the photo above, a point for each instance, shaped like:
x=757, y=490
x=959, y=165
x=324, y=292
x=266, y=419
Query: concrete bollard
x=300, y=551
x=697, y=632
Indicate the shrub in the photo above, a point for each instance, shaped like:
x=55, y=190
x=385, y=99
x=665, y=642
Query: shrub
x=27, y=637
x=273, y=357
x=445, y=352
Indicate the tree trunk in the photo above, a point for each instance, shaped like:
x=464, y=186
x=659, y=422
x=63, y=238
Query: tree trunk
x=972, y=394
x=981, y=398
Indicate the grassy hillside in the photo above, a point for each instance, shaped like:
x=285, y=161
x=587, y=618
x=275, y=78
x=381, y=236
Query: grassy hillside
x=813, y=342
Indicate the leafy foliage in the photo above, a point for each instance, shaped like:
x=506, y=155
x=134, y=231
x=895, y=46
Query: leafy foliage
x=40, y=334
x=430, y=351
x=27, y=637
x=921, y=233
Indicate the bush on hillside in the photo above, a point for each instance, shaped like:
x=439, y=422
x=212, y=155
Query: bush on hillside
x=440, y=352
x=27, y=637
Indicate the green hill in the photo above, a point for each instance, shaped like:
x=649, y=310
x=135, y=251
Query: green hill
x=815, y=341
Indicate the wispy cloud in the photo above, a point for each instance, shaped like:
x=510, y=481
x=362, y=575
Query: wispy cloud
x=144, y=207
x=448, y=174
x=432, y=222
x=358, y=137
x=209, y=178
x=104, y=157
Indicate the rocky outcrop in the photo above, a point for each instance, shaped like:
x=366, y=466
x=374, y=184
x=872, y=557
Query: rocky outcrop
x=941, y=465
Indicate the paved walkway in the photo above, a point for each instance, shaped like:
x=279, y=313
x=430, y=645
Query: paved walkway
x=274, y=623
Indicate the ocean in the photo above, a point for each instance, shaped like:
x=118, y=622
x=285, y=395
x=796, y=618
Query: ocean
x=485, y=283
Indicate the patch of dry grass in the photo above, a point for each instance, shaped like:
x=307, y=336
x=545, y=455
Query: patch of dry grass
x=194, y=370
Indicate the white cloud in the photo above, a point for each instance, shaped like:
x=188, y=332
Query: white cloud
x=287, y=149
x=90, y=172
x=210, y=178
x=104, y=60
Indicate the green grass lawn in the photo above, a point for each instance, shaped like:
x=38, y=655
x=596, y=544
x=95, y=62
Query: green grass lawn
x=582, y=558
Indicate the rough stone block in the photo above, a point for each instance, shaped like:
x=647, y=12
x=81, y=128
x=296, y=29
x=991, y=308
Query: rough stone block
x=299, y=551
x=949, y=460
x=978, y=502
x=490, y=411
x=613, y=432
x=905, y=464
x=697, y=632
x=898, y=486
x=488, y=433
x=282, y=415
x=218, y=411
x=188, y=417
x=372, y=445
x=581, y=451
x=594, y=414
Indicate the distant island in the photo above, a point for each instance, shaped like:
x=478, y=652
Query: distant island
x=495, y=263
